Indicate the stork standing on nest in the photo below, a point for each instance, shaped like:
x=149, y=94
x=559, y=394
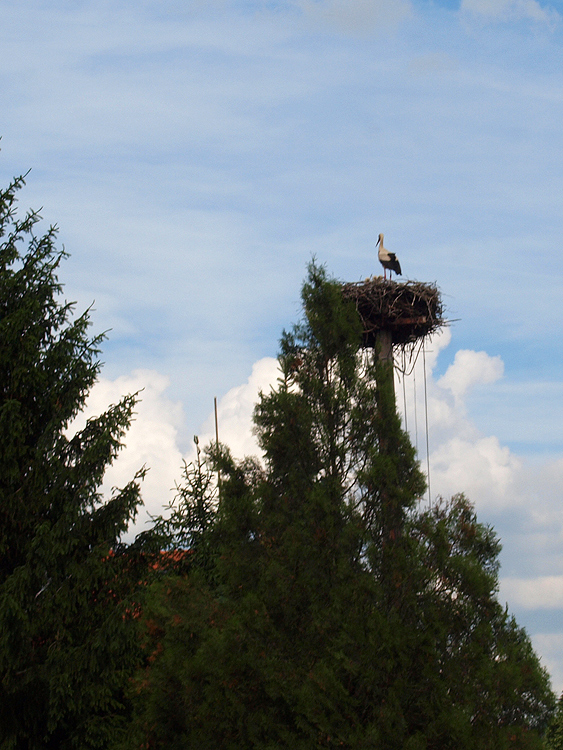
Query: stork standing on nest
x=388, y=260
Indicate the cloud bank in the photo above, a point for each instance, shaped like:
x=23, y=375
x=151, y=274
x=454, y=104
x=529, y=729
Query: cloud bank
x=523, y=497
x=152, y=440
x=461, y=457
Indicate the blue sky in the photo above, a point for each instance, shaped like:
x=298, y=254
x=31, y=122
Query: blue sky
x=195, y=155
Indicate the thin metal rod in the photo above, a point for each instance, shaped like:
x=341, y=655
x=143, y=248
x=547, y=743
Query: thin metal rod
x=217, y=442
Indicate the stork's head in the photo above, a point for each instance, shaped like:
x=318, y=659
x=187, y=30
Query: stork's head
x=379, y=240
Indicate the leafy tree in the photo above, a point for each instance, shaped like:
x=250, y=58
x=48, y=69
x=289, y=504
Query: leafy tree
x=66, y=581
x=331, y=610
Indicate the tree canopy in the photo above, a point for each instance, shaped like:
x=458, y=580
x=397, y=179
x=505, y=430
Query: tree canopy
x=67, y=583
x=319, y=604
x=554, y=734
x=306, y=600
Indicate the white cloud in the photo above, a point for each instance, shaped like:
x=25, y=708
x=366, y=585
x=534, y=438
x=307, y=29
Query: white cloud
x=550, y=646
x=462, y=459
x=523, y=496
x=153, y=438
x=511, y=10
x=151, y=441
x=482, y=468
x=235, y=409
x=470, y=369
x=541, y=592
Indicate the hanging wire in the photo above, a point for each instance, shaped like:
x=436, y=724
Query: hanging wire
x=426, y=415
x=405, y=395
x=413, y=349
x=415, y=412
x=404, y=369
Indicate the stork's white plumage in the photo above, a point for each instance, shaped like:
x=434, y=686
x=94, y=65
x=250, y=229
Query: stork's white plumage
x=388, y=260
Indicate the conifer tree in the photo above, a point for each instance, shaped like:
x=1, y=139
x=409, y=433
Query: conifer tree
x=554, y=735
x=335, y=612
x=67, y=583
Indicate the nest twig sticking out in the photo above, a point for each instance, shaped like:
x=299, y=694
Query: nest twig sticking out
x=410, y=310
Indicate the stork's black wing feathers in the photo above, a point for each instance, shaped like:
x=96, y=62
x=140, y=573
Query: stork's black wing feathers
x=394, y=265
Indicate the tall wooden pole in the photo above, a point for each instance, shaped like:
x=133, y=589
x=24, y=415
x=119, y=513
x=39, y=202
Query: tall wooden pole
x=391, y=512
x=384, y=344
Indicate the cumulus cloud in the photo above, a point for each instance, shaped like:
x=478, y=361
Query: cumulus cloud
x=151, y=441
x=503, y=10
x=550, y=646
x=469, y=369
x=461, y=458
x=481, y=468
x=235, y=409
x=153, y=437
x=541, y=592
x=355, y=16
x=525, y=496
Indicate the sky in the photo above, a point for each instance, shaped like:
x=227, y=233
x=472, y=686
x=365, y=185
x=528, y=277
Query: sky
x=195, y=157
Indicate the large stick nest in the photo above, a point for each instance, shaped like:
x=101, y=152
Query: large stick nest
x=410, y=310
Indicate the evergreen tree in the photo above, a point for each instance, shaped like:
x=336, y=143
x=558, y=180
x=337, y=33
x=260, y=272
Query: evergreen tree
x=486, y=686
x=554, y=736
x=332, y=611
x=67, y=645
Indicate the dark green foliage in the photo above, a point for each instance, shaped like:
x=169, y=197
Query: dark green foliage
x=492, y=691
x=554, y=735
x=67, y=644
x=331, y=611
x=189, y=520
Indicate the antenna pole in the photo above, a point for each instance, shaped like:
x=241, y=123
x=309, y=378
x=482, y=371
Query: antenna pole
x=217, y=442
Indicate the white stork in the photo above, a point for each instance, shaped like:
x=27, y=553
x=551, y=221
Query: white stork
x=388, y=260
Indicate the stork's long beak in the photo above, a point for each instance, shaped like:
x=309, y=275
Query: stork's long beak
x=378, y=241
